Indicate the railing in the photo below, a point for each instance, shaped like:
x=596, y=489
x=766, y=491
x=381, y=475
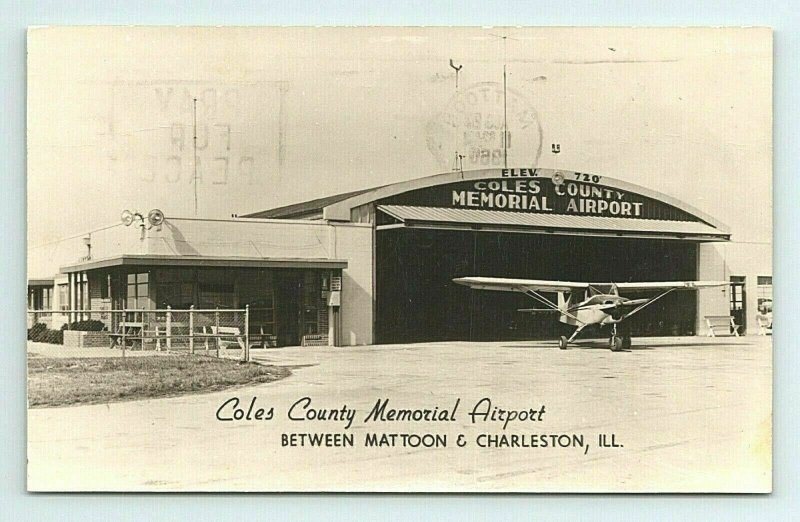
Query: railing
x=220, y=332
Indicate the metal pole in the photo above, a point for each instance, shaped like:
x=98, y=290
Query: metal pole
x=169, y=328
x=505, y=115
x=191, y=330
x=194, y=137
x=216, y=332
x=124, y=341
x=247, y=333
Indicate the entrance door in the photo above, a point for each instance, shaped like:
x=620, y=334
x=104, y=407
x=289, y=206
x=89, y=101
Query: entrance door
x=288, y=307
x=739, y=302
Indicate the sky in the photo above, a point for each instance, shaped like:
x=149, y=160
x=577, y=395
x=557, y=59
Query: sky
x=284, y=115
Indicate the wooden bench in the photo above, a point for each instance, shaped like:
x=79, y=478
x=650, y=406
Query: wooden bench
x=721, y=325
x=315, y=340
x=261, y=339
x=172, y=335
x=129, y=330
x=156, y=334
x=228, y=336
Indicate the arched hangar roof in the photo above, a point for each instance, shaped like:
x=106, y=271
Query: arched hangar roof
x=340, y=207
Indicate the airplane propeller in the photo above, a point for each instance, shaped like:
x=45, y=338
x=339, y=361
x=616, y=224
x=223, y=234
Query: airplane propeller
x=618, y=312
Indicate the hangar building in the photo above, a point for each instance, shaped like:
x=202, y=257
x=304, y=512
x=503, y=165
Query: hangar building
x=376, y=265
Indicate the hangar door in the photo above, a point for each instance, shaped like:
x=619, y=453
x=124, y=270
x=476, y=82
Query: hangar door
x=417, y=300
x=426, y=238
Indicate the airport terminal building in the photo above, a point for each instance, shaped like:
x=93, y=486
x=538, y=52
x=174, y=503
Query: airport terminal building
x=376, y=266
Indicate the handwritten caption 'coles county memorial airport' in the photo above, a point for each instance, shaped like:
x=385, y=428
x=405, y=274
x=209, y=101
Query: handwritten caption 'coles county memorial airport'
x=496, y=420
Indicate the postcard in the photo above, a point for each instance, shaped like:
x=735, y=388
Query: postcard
x=399, y=259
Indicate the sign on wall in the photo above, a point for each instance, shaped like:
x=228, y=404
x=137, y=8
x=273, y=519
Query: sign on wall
x=522, y=190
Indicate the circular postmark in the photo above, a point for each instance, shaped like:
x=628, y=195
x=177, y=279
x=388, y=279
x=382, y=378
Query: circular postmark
x=471, y=126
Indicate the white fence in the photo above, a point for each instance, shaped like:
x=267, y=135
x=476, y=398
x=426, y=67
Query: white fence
x=215, y=332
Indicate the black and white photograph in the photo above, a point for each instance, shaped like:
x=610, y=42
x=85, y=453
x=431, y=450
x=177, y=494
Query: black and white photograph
x=399, y=259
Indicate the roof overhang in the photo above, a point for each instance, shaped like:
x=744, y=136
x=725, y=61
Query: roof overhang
x=41, y=282
x=203, y=261
x=557, y=224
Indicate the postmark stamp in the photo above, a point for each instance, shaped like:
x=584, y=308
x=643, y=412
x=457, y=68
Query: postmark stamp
x=471, y=127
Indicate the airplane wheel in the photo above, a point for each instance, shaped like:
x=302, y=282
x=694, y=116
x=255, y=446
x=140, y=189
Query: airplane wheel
x=616, y=344
x=562, y=343
x=626, y=342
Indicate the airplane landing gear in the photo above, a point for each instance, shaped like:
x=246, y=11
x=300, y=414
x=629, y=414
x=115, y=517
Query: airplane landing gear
x=563, y=341
x=619, y=342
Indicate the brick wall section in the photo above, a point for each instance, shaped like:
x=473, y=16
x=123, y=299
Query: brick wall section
x=75, y=339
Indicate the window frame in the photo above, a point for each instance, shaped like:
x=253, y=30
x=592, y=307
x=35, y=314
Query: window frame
x=63, y=296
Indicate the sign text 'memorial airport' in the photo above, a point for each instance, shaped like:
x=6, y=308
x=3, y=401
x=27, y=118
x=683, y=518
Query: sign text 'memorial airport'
x=531, y=195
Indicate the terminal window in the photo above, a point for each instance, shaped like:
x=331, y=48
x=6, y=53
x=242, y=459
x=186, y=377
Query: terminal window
x=63, y=297
x=764, y=289
x=138, y=291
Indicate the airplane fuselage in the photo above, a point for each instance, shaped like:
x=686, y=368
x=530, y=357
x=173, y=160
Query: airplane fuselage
x=594, y=310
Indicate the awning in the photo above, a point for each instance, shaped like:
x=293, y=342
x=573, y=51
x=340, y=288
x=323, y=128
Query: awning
x=561, y=224
x=204, y=261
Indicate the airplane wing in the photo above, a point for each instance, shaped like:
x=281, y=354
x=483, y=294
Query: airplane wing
x=541, y=285
x=665, y=288
x=518, y=285
x=669, y=285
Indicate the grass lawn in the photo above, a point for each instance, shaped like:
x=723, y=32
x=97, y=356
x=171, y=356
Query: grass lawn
x=65, y=381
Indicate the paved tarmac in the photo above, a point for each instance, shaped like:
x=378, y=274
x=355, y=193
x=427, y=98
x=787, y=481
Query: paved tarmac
x=691, y=414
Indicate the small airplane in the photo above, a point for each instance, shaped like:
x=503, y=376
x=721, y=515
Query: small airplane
x=600, y=304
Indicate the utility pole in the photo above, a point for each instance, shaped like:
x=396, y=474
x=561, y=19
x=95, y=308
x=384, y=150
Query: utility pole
x=194, y=138
x=505, y=100
x=505, y=115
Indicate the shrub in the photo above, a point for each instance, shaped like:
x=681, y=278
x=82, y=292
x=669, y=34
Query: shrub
x=35, y=331
x=85, y=326
x=53, y=337
x=41, y=334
